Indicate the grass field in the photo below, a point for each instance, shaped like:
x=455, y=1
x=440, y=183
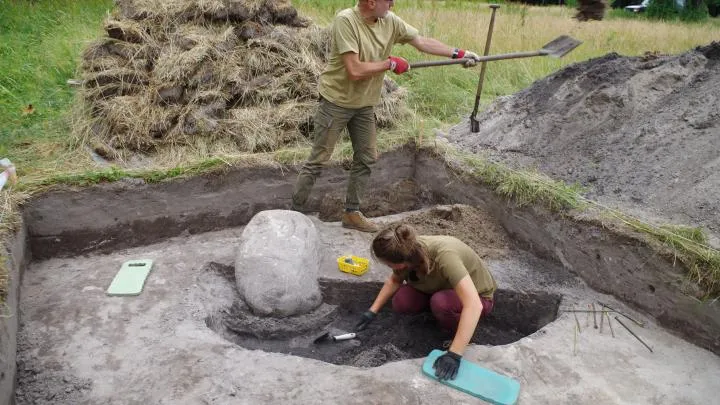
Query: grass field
x=40, y=43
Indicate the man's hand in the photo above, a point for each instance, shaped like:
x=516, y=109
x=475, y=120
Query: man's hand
x=398, y=65
x=365, y=319
x=471, y=56
x=446, y=366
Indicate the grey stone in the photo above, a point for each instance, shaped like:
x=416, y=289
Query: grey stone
x=277, y=264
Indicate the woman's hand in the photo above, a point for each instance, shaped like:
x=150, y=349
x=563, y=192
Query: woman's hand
x=446, y=366
x=386, y=292
x=365, y=319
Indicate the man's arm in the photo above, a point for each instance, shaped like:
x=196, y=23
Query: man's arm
x=362, y=70
x=431, y=46
x=434, y=47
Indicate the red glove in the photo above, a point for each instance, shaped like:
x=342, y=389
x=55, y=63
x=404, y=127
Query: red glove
x=461, y=53
x=458, y=53
x=398, y=65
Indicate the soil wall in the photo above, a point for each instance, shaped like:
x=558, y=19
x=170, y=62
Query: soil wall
x=115, y=216
x=15, y=262
x=609, y=262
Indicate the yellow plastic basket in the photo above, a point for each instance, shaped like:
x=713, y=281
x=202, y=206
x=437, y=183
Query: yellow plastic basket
x=358, y=266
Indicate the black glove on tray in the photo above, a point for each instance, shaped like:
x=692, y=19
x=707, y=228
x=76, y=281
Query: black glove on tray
x=446, y=366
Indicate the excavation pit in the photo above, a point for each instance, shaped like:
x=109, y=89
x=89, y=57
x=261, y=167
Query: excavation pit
x=76, y=345
x=390, y=337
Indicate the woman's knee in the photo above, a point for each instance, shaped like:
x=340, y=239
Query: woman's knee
x=407, y=300
x=445, y=302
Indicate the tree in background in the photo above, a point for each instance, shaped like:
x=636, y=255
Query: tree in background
x=591, y=10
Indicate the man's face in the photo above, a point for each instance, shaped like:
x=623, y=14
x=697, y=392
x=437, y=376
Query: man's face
x=382, y=7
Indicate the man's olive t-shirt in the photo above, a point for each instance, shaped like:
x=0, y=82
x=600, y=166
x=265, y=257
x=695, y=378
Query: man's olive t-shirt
x=372, y=43
x=450, y=261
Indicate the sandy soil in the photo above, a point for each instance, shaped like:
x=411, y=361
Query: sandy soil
x=641, y=133
x=79, y=346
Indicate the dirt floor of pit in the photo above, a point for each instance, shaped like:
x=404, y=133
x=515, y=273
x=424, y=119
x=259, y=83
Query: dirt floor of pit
x=78, y=346
x=390, y=337
x=641, y=133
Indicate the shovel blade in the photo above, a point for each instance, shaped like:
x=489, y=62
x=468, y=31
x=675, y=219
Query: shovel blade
x=474, y=125
x=560, y=46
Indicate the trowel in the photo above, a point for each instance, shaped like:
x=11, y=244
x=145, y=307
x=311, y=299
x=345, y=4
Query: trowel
x=325, y=337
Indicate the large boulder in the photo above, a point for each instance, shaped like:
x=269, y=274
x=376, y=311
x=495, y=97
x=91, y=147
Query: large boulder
x=277, y=264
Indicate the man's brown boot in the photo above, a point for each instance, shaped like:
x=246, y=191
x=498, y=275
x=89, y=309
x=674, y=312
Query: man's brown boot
x=356, y=220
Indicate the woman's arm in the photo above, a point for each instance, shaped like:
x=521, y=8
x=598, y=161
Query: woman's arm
x=386, y=292
x=470, y=315
x=388, y=289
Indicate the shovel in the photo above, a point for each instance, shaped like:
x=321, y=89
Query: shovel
x=556, y=48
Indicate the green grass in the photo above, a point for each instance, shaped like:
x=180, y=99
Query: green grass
x=525, y=187
x=40, y=42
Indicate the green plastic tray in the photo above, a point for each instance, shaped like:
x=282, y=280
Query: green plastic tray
x=130, y=279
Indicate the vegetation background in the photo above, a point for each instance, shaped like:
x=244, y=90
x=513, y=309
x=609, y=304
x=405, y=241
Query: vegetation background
x=40, y=44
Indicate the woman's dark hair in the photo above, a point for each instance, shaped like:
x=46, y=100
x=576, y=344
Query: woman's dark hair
x=399, y=244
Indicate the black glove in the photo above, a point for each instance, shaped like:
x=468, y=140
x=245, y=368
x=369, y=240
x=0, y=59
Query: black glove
x=446, y=366
x=365, y=319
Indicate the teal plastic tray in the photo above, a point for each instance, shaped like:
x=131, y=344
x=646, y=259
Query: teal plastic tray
x=477, y=381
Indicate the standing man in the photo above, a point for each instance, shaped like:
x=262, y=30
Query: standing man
x=362, y=38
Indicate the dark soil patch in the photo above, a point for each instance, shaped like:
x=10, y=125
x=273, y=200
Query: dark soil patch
x=391, y=336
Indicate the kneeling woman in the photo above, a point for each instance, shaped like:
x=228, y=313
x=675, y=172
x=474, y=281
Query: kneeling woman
x=441, y=272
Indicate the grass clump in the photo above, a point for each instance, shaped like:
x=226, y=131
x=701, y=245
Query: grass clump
x=689, y=245
x=523, y=187
x=10, y=221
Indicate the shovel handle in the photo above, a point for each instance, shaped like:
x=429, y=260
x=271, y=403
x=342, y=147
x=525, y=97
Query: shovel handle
x=483, y=66
x=489, y=58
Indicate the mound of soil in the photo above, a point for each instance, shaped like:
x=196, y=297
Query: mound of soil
x=641, y=133
x=241, y=73
x=477, y=228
